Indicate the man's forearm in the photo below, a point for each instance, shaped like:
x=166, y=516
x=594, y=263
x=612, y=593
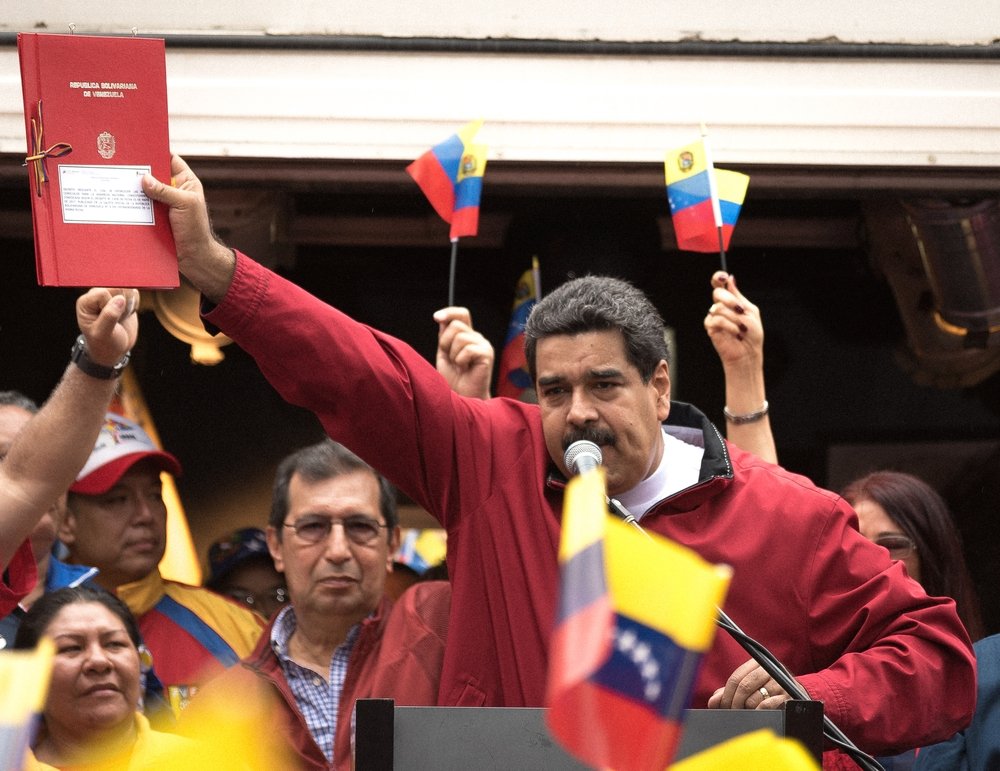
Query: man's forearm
x=746, y=395
x=49, y=452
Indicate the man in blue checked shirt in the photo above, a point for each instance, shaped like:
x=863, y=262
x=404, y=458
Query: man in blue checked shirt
x=332, y=531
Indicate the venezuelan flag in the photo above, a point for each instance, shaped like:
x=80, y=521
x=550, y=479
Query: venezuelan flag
x=690, y=178
x=24, y=686
x=636, y=615
x=513, y=380
x=450, y=174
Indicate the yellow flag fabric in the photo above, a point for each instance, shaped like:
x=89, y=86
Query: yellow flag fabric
x=636, y=613
x=24, y=684
x=664, y=585
x=756, y=751
x=180, y=561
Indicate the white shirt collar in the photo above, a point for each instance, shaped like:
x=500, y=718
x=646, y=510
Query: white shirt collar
x=678, y=469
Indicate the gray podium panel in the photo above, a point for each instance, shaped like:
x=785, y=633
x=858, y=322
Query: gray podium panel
x=459, y=738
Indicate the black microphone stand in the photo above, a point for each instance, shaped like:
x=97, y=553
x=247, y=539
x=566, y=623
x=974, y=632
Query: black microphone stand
x=769, y=663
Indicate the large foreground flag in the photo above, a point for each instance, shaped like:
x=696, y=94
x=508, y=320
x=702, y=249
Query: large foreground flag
x=451, y=176
x=702, y=198
x=24, y=684
x=513, y=379
x=636, y=614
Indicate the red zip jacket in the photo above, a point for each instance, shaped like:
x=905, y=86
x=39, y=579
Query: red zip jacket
x=893, y=667
x=19, y=577
x=397, y=655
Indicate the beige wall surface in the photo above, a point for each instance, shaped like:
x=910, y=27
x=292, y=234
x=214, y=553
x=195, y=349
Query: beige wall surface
x=251, y=100
x=887, y=21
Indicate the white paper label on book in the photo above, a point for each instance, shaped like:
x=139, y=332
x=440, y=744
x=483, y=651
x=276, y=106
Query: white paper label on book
x=104, y=195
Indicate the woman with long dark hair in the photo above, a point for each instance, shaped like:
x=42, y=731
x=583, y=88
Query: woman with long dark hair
x=911, y=520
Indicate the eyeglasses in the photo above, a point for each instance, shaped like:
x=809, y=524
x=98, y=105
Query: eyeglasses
x=359, y=530
x=899, y=546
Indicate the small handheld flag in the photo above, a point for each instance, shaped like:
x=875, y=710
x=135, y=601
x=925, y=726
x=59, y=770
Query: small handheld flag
x=704, y=201
x=451, y=176
x=636, y=614
x=513, y=380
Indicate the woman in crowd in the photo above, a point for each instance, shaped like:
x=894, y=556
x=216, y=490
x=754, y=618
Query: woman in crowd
x=91, y=717
x=896, y=510
x=908, y=518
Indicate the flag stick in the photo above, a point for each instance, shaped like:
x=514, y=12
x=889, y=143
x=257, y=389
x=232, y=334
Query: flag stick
x=713, y=190
x=451, y=271
x=536, y=274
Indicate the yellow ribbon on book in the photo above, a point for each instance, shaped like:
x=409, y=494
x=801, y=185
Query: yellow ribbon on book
x=38, y=156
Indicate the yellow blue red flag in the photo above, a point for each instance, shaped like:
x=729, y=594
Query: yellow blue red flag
x=755, y=751
x=450, y=174
x=636, y=615
x=694, y=189
x=513, y=379
x=24, y=684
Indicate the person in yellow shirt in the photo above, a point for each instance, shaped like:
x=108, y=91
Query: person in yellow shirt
x=116, y=521
x=90, y=719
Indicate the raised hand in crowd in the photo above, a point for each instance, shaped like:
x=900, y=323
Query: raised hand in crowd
x=464, y=356
x=53, y=446
x=735, y=328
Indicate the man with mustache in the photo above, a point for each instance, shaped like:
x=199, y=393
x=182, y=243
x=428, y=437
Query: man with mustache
x=855, y=630
x=116, y=521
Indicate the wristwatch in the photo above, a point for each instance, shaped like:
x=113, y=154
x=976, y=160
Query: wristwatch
x=80, y=358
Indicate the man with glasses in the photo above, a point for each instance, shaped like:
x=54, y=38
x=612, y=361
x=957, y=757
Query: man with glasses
x=332, y=531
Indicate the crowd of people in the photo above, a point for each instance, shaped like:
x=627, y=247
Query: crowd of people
x=863, y=595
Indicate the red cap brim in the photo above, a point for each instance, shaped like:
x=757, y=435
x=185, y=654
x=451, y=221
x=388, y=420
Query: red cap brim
x=103, y=478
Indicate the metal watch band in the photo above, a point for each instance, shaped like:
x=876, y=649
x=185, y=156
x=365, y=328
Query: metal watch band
x=79, y=357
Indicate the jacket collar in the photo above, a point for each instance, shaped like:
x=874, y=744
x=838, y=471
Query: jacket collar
x=142, y=595
x=688, y=424
x=263, y=657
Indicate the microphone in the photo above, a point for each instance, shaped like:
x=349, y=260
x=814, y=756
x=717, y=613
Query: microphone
x=582, y=456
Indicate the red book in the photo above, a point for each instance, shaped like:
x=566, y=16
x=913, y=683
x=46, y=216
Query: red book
x=95, y=114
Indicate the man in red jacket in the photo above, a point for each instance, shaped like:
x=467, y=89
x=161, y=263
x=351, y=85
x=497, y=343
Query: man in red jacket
x=332, y=531
x=893, y=666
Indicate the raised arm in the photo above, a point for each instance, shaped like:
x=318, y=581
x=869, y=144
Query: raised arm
x=464, y=356
x=52, y=447
x=734, y=326
x=201, y=257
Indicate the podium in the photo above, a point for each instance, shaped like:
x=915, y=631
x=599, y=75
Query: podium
x=388, y=737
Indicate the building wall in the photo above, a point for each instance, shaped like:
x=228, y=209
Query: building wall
x=913, y=84
x=889, y=21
